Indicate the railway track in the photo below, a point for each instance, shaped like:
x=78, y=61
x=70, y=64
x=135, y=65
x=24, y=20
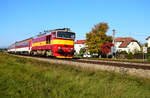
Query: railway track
x=117, y=64
x=132, y=68
x=124, y=64
x=141, y=62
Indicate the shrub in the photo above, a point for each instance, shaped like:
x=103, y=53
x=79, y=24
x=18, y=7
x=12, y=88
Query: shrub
x=103, y=56
x=138, y=55
x=130, y=55
x=148, y=54
x=121, y=55
x=82, y=51
x=109, y=56
x=106, y=48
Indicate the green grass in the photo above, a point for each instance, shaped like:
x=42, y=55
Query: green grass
x=27, y=78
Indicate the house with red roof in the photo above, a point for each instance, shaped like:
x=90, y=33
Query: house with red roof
x=127, y=44
x=79, y=44
x=148, y=41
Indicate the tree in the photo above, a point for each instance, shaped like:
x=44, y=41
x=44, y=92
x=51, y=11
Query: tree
x=106, y=48
x=145, y=45
x=97, y=37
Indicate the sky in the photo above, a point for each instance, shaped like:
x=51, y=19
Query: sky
x=21, y=19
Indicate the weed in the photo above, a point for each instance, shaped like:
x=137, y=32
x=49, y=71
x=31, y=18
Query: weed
x=21, y=77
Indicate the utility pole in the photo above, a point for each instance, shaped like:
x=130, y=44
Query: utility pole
x=113, y=49
x=113, y=35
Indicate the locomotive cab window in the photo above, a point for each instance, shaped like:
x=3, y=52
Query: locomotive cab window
x=68, y=35
x=48, y=39
x=54, y=35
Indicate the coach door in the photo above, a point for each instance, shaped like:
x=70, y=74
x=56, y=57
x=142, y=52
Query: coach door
x=48, y=39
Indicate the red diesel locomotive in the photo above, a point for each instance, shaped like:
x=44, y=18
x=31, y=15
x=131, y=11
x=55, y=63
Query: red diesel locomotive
x=58, y=43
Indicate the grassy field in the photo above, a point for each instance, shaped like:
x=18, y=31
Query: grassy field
x=27, y=78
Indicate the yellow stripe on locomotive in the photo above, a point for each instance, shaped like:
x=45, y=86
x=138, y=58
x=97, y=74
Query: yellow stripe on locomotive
x=39, y=44
x=63, y=42
x=55, y=41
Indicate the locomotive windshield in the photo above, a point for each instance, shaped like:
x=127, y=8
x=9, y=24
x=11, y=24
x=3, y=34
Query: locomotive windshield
x=68, y=35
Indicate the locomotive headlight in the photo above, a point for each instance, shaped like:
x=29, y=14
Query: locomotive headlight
x=59, y=47
x=71, y=48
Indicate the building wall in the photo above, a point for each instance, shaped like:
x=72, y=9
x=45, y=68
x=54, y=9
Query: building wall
x=117, y=44
x=148, y=41
x=122, y=49
x=77, y=47
x=132, y=47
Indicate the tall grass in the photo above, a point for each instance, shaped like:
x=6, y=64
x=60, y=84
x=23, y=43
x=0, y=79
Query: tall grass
x=27, y=78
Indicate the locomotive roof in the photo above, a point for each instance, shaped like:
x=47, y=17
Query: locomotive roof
x=47, y=32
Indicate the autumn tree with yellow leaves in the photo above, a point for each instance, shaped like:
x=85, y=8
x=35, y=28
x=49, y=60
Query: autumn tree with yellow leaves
x=97, y=37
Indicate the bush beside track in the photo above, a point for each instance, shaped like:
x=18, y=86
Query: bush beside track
x=21, y=77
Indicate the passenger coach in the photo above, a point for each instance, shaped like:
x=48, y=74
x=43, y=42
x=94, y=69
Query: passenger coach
x=21, y=47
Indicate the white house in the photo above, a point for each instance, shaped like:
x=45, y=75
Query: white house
x=79, y=44
x=127, y=44
x=148, y=41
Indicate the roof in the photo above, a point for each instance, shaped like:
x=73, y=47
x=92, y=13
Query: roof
x=121, y=39
x=80, y=42
x=125, y=41
x=147, y=38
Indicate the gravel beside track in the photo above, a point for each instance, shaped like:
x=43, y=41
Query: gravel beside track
x=118, y=62
x=121, y=61
x=137, y=69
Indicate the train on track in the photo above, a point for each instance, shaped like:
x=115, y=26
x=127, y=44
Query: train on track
x=57, y=43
